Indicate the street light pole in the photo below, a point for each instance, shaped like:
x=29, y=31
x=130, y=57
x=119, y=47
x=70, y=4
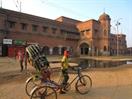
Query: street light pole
x=117, y=38
x=117, y=24
x=92, y=51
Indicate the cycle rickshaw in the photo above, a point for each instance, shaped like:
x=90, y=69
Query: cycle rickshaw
x=47, y=88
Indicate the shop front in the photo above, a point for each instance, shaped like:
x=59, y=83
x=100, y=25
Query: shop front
x=15, y=47
x=5, y=44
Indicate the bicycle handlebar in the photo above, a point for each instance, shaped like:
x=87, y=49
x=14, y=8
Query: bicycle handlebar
x=77, y=68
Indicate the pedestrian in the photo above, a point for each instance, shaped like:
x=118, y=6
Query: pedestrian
x=64, y=70
x=25, y=59
x=21, y=59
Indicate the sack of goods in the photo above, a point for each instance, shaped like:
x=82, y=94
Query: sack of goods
x=38, y=58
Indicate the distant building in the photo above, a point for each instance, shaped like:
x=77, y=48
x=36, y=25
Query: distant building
x=129, y=51
x=118, y=43
x=92, y=37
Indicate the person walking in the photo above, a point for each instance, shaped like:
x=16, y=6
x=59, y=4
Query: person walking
x=64, y=70
x=21, y=59
x=25, y=59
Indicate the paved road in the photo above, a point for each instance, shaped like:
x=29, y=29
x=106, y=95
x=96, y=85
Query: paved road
x=114, y=83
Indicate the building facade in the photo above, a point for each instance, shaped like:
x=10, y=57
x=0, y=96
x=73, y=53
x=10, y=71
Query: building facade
x=97, y=39
x=92, y=37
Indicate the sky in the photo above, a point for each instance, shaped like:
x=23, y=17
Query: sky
x=118, y=10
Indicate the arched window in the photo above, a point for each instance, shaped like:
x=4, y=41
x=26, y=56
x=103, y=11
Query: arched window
x=45, y=50
x=56, y=51
x=62, y=50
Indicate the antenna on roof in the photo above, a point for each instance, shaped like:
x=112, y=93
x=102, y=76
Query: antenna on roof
x=18, y=4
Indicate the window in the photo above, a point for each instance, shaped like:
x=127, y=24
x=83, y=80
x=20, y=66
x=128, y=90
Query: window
x=74, y=33
x=34, y=28
x=54, y=30
x=11, y=24
x=23, y=26
x=82, y=33
x=87, y=30
x=62, y=32
x=45, y=29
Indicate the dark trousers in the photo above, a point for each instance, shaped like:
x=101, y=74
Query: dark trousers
x=66, y=77
x=21, y=65
x=25, y=63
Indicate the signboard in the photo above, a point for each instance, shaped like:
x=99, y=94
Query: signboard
x=30, y=43
x=19, y=42
x=7, y=41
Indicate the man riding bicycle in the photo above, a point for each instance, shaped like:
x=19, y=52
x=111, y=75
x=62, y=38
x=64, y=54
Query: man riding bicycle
x=64, y=70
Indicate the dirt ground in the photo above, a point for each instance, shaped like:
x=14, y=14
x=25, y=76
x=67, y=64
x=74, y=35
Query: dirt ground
x=108, y=83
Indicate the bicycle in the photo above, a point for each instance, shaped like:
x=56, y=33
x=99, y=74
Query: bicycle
x=82, y=86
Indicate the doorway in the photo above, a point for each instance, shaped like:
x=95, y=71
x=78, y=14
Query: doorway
x=84, y=49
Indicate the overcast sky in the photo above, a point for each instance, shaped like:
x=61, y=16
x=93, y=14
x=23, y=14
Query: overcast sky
x=119, y=10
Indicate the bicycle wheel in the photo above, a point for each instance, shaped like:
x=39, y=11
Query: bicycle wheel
x=43, y=92
x=83, y=84
x=30, y=84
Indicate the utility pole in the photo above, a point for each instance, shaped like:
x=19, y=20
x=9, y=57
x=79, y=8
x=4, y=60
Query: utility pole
x=1, y=3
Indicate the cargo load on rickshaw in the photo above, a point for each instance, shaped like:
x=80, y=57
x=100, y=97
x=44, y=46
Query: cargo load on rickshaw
x=37, y=57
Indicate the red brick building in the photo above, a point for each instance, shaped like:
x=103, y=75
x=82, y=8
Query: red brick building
x=97, y=39
x=91, y=37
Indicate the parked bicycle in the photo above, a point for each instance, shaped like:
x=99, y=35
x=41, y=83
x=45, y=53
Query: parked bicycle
x=49, y=89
